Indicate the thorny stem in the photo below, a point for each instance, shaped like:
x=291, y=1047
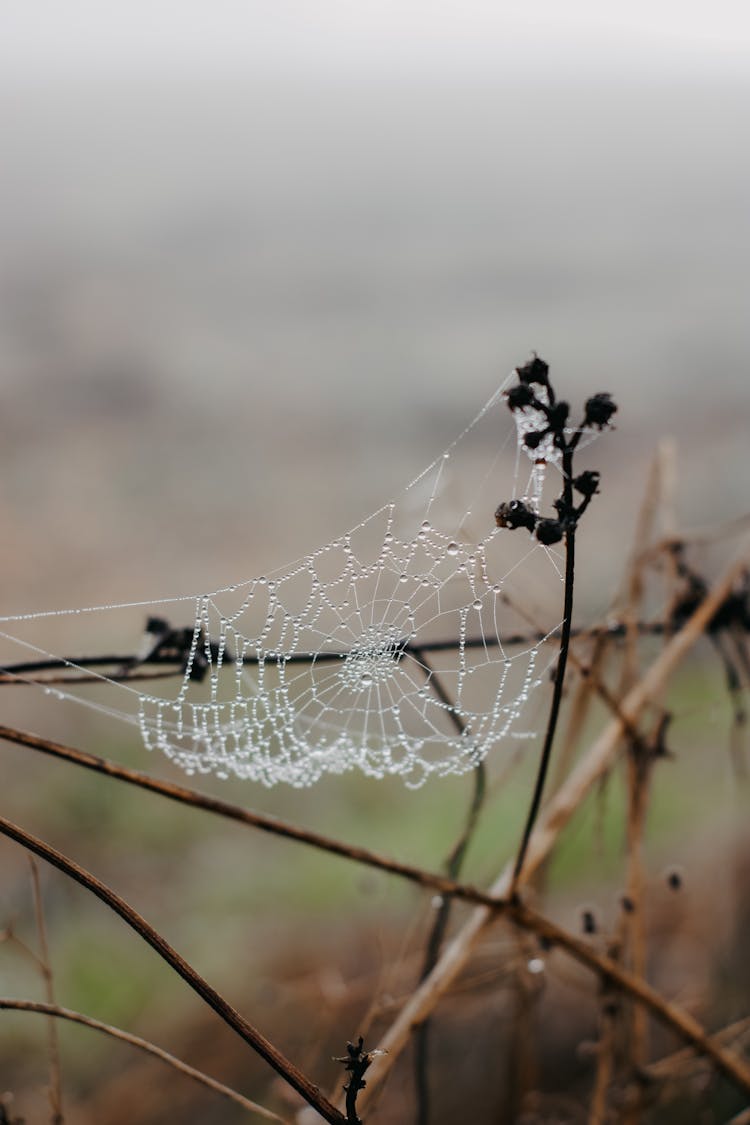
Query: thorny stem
x=56, y=1012
x=288, y=1071
x=570, y=539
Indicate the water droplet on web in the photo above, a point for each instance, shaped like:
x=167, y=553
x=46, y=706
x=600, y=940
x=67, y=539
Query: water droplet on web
x=535, y=965
x=318, y=669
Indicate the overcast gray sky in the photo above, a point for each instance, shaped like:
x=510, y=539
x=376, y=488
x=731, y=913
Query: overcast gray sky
x=86, y=37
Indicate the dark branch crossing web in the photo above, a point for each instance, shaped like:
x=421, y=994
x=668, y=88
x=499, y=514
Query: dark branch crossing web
x=321, y=667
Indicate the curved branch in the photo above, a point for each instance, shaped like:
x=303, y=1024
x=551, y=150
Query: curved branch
x=688, y=1028
x=288, y=1071
x=265, y=823
x=555, y=816
x=56, y=1011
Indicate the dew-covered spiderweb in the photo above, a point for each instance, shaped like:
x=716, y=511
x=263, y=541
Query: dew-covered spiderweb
x=394, y=649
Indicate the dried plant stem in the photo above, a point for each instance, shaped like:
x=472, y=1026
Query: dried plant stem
x=679, y=1021
x=605, y=1054
x=439, y=927
x=288, y=1071
x=553, y=819
x=658, y=501
x=194, y=799
x=589, y=685
x=55, y=1012
x=45, y=967
x=639, y=772
x=562, y=660
x=674, y=1065
x=523, y=1071
x=725, y=1061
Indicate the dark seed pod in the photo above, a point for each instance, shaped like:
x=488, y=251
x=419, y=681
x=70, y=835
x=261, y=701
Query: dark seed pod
x=519, y=396
x=534, y=439
x=587, y=483
x=535, y=371
x=514, y=515
x=598, y=411
x=549, y=532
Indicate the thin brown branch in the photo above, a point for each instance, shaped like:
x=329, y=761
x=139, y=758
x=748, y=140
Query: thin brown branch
x=452, y=868
x=195, y=799
x=674, y=1065
x=45, y=966
x=609, y=971
x=55, y=1012
x=554, y=818
x=262, y=1046
x=492, y=904
x=639, y=766
x=605, y=1051
x=556, y=815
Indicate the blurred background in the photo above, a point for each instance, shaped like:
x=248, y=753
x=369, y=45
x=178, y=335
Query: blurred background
x=260, y=263
x=245, y=237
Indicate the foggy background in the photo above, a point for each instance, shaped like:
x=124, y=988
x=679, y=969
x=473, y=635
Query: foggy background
x=261, y=262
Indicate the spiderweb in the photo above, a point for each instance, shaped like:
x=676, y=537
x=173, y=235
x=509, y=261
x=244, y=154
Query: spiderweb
x=389, y=650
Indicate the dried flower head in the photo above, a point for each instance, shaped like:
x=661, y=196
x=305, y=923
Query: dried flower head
x=535, y=371
x=587, y=483
x=515, y=514
x=519, y=396
x=549, y=532
x=599, y=410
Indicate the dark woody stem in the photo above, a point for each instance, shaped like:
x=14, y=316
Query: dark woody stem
x=570, y=543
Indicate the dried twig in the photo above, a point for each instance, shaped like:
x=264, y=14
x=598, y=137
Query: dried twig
x=55, y=1012
x=553, y=819
x=288, y=1071
x=45, y=967
x=439, y=927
